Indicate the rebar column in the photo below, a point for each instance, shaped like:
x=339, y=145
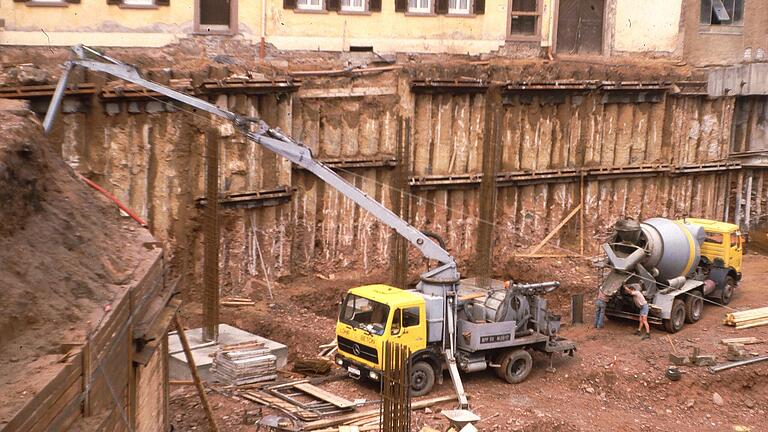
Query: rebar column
x=211, y=238
x=401, y=203
x=484, y=246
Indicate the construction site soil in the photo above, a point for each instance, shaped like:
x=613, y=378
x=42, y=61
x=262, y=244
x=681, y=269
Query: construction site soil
x=615, y=382
x=65, y=255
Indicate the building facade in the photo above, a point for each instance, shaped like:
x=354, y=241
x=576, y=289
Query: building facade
x=602, y=27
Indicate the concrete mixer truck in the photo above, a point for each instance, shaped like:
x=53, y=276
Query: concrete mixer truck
x=678, y=264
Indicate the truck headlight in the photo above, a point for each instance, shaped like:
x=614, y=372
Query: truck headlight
x=339, y=361
x=373, y=375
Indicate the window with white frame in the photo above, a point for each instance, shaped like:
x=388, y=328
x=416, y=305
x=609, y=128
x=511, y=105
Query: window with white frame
x=310, y=4
x=722, y=12
x=139, y=2
x=353, y=5
x=458, y=7
x=420, y=6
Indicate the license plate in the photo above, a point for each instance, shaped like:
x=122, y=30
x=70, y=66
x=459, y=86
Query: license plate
x=353, y=370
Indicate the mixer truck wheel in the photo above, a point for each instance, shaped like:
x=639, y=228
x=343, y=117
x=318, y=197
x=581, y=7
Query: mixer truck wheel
x=515, y=366
x=694, y=304
x=727, y=294
x=676, y=317
x=422, y=378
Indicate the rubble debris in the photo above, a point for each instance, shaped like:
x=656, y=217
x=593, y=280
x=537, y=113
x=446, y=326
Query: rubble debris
x=702, y=360
x=736, y=352
x=246, y=363
x=748, y=318
x=312, y=366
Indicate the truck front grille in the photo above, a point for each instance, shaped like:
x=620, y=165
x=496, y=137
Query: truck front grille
x=363, y=351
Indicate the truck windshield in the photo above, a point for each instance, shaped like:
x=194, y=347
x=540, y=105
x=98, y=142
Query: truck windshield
x=366, y=314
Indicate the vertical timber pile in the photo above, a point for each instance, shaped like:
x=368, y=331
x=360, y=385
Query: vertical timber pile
x=211, y=238
x=484, y=258
x=401, y=202
x=395, y=414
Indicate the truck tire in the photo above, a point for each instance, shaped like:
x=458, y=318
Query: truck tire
x=422, y=378
x=515, y=366
x=727, y=294
x=694, y=306
x=677, y=317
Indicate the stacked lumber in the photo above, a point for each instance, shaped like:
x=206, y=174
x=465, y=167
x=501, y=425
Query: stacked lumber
x=245, y=363
x=748, y=318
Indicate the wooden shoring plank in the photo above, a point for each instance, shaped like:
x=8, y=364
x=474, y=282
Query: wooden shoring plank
x=37, y=406
x=555, y=230
x=42, y=422
x=195, y=377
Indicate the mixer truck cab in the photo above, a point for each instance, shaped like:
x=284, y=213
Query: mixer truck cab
x=495, y=326
x=722, y=241
x=678, y=264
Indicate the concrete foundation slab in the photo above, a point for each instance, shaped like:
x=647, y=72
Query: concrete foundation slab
x=203, y=352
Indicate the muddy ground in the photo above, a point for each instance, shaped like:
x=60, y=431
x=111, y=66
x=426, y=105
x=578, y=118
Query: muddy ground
x=615, y=382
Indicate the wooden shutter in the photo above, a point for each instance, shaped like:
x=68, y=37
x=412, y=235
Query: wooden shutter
x=114, y=2
x=401, y=5
x=374, y=5
x=163, y=2
x=289, y=4
x=479, y=7
x=333, y=5
x=441, y=6
x=19, y=1
x=72, y=1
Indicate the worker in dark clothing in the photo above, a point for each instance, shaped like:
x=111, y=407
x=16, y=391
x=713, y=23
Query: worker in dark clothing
x=600, y=304
x=642, y=304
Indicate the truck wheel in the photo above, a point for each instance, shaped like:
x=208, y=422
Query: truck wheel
x=422, y=378
x=694, y=304
x=727, y=294
x=515, y=366
x=677, y=317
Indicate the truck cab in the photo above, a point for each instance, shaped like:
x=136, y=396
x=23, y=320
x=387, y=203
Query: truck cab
x=723, y=241
x=372, y=315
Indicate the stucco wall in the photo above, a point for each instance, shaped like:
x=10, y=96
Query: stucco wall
x=96, y=23
x=647, y=25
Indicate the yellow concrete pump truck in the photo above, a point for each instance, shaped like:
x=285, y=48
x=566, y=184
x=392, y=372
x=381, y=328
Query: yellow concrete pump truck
x=677, y=264
x=497, y=325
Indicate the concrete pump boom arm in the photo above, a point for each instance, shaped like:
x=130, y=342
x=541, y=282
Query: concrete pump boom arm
x=272, y=139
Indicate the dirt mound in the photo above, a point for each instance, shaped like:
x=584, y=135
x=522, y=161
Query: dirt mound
x=65, y=253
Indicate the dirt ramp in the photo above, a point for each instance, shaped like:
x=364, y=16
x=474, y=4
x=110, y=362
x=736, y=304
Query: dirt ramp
x=65, y=255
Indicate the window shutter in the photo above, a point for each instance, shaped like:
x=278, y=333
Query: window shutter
x=401, y=5
x=289, y=4
x=333, y=5
x=114, y=2
x=19, y=1
x=479, y=7
x=163, y=2
x=374, y=5
x=441, y=7
x=72, y=1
